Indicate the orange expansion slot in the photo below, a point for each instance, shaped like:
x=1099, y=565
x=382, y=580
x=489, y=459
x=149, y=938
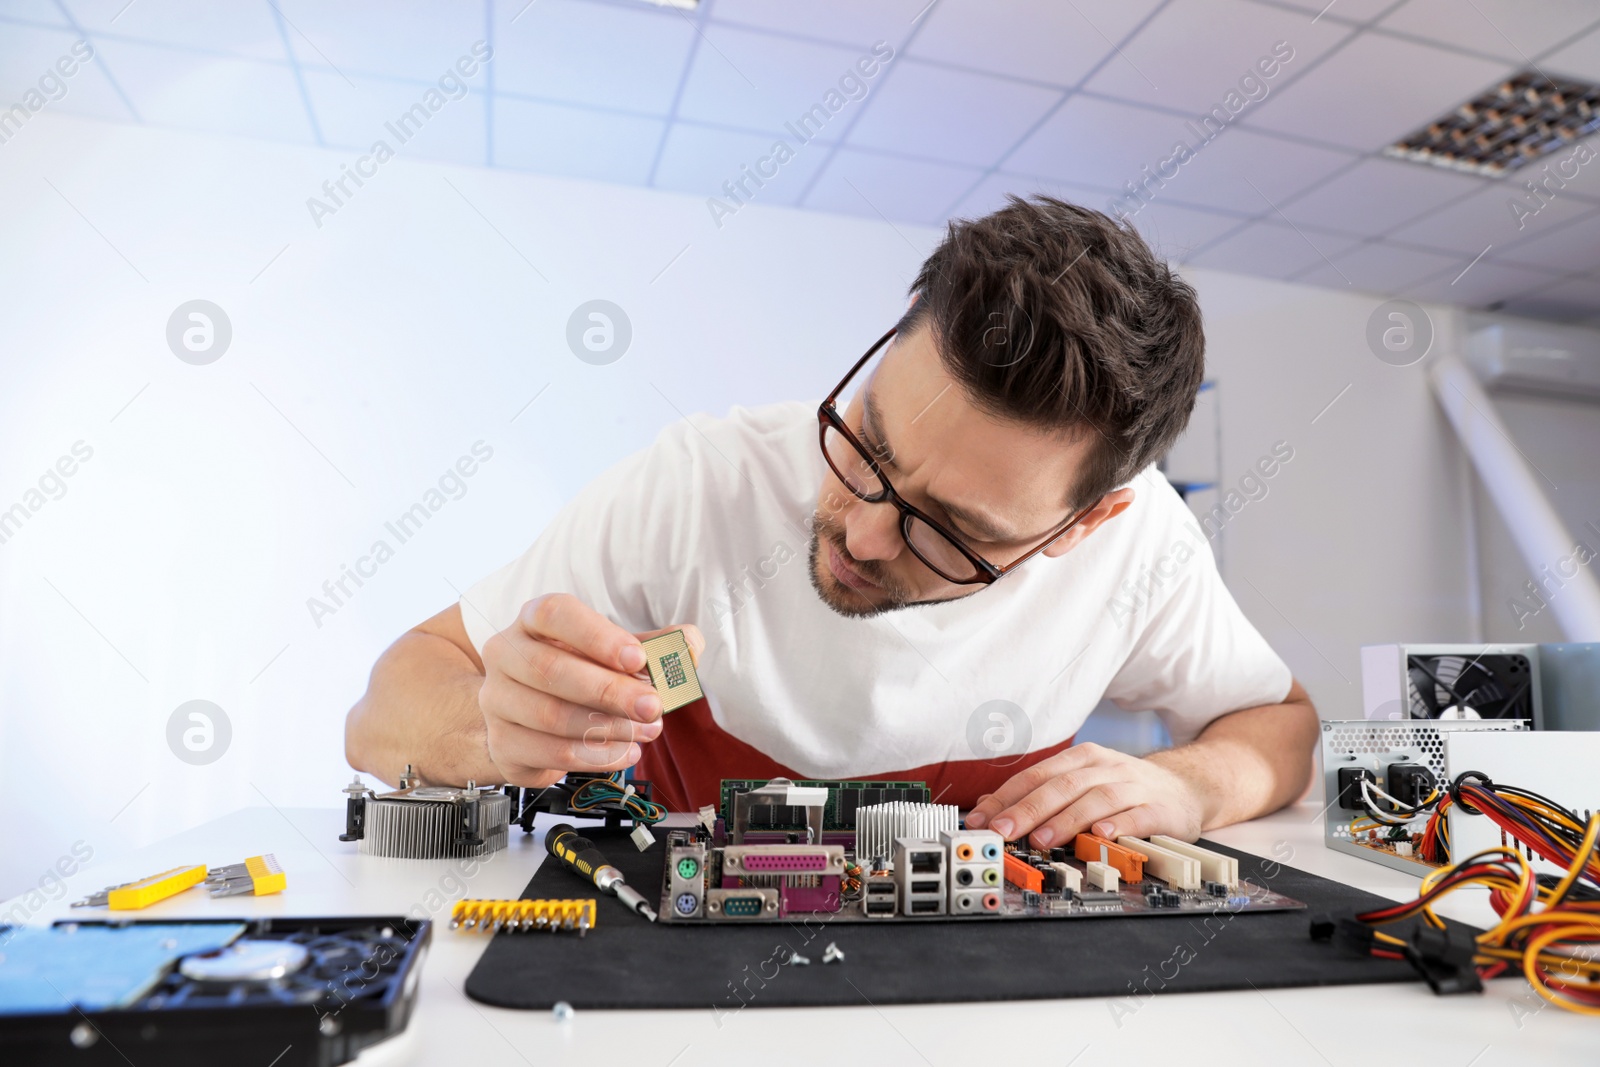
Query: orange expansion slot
x=1128, y=864
x=1023, y=876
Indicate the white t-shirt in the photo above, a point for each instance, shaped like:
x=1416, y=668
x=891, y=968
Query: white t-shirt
x=709, y=526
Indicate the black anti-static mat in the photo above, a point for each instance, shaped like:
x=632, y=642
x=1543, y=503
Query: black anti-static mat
x=626, y=962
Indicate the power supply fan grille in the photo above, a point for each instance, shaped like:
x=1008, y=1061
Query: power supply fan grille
x=1487, y=686
x=426, y=829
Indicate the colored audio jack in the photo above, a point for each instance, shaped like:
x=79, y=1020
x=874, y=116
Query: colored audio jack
x=578, y=854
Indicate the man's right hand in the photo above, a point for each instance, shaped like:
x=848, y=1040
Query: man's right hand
x=562, y=692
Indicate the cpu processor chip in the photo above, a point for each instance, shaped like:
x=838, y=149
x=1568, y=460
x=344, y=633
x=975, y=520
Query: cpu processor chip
x=672, y=670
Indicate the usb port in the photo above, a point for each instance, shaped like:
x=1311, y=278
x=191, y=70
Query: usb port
x=924, y=906
x=925, y=887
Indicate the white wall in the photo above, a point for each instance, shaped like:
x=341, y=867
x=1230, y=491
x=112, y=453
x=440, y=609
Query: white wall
x=179, y=561
x=1561, y=438
x=1360, y=538
x=374, y=352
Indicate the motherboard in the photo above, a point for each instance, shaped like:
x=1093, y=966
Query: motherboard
x=779, y=850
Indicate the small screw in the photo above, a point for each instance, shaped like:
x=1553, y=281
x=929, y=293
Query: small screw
x=562, y=1011
x=797, y=960
x=831, y=954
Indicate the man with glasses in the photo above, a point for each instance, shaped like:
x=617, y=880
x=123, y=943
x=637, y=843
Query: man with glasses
x=977, y=554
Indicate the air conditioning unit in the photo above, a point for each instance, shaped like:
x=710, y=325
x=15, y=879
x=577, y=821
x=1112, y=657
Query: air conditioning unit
x=1524, y=355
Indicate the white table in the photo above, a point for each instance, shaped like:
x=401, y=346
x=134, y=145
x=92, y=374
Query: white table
x=1355, y=1025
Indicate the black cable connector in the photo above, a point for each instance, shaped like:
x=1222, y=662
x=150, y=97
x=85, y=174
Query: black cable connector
x=1444, y=961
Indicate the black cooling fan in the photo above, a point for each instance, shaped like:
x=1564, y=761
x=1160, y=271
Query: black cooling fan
x=1494, y=685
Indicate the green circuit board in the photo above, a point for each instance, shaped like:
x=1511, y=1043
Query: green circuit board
x=838, y=814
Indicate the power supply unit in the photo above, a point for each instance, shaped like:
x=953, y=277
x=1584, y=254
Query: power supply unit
x=1402, y=758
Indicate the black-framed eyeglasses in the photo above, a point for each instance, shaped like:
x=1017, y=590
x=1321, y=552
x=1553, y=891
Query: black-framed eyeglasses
x=930, y=541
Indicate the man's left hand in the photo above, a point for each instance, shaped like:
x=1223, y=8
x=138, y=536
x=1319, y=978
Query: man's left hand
x=1087, y=788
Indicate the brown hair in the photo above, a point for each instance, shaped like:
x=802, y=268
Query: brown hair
x=1055, y=316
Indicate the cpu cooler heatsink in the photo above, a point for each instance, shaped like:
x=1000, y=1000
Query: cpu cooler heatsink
x=426, y=821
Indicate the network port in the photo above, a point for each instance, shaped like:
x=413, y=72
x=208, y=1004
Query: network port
x=919, y=876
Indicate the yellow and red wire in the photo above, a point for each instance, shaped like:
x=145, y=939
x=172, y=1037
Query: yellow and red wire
x=1543, y=930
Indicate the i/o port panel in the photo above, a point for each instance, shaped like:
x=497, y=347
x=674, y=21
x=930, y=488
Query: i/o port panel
x=921, y=866
x=686, y=876
x=976, y=861
x=919, y=874
x=741, y=903
x=783, y=859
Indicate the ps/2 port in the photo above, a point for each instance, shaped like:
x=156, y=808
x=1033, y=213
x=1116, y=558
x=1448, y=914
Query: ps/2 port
x=688, y=867
x=686, y=903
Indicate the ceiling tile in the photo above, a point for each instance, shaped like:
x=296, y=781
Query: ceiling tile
x=877, y=186
x=1378, y=268
x=1177, y=232
x=760, y=82
x=699, y=160
x=1240, y=166
x=1572, y=248
x=1055, y=43
x=1580, y=59
x=1163, y=66
x=1346, y=10
x=355, y=116
x=417, y=39
x=1514, y=30
x=200, y=24
x=1375, y=90
x=949, y=115
x=846, y=21
x=990, y=194
x=1485, y=284
x=178, y=87
x=40, y=11
x=596, y=54
x=1271, y=250
x=1486, y=218
x=1098, y=142
x=1377, y=195
x=578, y=143
x=1569, y=300
x=28, y=54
